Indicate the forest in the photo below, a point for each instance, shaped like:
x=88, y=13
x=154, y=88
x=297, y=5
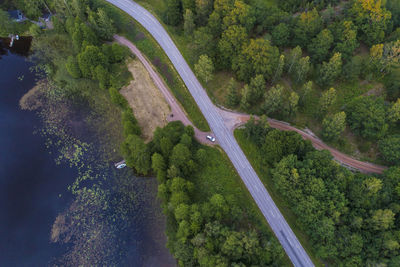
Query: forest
x=350, y=218
x=331, y=66
x=211, y=219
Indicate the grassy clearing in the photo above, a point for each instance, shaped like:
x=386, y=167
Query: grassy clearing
x=129, y=28
x=147, y=102
x=253, y=154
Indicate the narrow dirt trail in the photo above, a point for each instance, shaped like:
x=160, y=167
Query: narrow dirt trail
x=233, y=119
x=177, y=112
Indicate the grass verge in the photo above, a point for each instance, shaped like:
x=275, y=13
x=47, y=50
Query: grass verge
x=253, y=154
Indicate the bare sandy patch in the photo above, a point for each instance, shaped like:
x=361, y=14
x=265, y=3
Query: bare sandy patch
x=147, y=102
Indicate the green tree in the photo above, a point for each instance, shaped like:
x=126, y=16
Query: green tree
x=241, y=14
x=382, y=219
x=35, y=30
x=136, y=154
x=347, y=39
x=280, y=35
x=394, y=111
x=372, y=186
x=279, y=68
x=130, y=123
x=390, y=148
x=331, y=70
x=231, y=43
x=117, y=98
x=372, y=19
x=327, y=99
x=173, y=12
x=308, y=24
x=102, y=75
x=273, y=100
x=294, y=57
x=89, y=59
x=189, y=4
x=245, y=100
x=104, y=25
x=258, y=57
x=203, y=43
x=367, y=116
x=6, y=24
x=188, y=24
x=203, y=11
x=232, y=98
x=73, y=67
x=333, y=126
x=204, y=68
x=306, y=91
x=257, y=87
x=300, y=69
x=320, y=46
x=293, y=102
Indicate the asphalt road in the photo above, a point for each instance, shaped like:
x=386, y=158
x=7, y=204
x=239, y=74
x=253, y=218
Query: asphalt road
x=285, y=235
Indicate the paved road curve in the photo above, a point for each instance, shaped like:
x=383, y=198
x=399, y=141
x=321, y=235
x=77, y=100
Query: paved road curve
x=287, y=238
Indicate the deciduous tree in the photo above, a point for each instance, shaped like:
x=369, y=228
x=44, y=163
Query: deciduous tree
x=333, y=125
x=204, y=68
x=329, y=71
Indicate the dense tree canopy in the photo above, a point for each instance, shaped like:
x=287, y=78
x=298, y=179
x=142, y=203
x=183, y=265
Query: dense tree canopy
x=367, y=116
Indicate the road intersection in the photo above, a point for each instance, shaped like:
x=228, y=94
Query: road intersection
x=225, y=137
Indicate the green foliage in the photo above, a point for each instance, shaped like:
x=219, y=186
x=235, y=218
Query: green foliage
x=35, y=30
x=6, y=25
x=327, y=100
x=231, y=43
x=102, y=76
x=103, y=24
x=308, y=24
x=273, y=100
x=331, y=70
x=204, y=68
x=346, y=39
x=390, y=149
x=73, y=67
x=367, y=116
x=136, y=154
x=173, y=12
x=117, y=98
x=372, y=19
x=232, y=98
x=280, y=144
x=394, y=112
x=281, y=34
x=89, y=59
x=320, y=46
x=258, y=57
x=333, y=126
x=130, y=123
x=189, y=22
x=203, y=216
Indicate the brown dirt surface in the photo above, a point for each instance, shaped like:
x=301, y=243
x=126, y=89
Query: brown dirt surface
x=147, y=102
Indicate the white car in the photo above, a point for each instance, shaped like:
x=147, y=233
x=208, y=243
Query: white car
x=209, y=137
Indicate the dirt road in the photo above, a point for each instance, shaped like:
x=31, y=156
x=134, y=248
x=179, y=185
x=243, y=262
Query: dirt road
x=177, y=112
x=233, y=119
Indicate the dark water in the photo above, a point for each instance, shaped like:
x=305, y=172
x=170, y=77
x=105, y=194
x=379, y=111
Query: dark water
x=30, y=181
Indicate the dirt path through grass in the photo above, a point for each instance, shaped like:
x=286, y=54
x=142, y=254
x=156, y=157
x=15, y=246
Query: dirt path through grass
x=177, y=112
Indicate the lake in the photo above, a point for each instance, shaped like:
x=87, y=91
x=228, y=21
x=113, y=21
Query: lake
x=33, y=188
